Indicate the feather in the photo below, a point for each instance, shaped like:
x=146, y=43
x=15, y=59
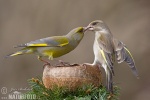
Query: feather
x=124, y=55
x=55, y=41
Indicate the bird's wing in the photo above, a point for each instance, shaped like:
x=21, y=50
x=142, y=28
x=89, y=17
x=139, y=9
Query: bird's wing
x=108, y=59
x=123, y=54
x=55, y=41
x=106, y=51
x=104, y=43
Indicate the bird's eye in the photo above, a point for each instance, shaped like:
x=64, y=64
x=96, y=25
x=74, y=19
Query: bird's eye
x=80, y=29
x=94, y=23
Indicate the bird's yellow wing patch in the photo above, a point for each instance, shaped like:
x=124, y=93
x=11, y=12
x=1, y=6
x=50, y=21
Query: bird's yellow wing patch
x=15, y=54
x=43, y=44
x=102, y=52
x=128, y=52
x=55, y=41
x=52, y=42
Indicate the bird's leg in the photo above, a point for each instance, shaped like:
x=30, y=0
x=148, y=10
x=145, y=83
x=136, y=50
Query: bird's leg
x=87, y=64
x=46, y=62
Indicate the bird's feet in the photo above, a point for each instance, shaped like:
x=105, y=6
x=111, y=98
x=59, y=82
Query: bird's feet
x=46, y=64
x=87, y=64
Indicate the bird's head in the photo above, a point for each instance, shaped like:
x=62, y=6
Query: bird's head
x=77, y=33
x=96, y=25
x=79, y=30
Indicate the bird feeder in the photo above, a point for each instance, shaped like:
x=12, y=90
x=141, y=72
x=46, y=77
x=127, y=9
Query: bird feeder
x=72, y=76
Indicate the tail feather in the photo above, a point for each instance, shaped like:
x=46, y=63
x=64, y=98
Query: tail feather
x=109, y=78
x=14, y=54
x=20, y=52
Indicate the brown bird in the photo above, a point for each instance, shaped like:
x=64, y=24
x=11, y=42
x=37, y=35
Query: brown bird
x=106, y=48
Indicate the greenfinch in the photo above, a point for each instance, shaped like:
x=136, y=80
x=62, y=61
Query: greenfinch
x=106, y=48
x=52, y=47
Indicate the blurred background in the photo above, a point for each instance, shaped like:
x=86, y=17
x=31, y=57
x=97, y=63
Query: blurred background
x=22, y=21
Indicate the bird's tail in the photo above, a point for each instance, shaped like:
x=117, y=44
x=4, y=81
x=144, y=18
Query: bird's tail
x=109, y=78
x=20, y=52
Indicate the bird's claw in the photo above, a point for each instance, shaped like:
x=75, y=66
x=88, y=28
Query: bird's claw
x=45, y=64
x=86, y=64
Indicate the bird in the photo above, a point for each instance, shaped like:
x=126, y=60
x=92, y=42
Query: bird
x=52, y=47
x=106, y=49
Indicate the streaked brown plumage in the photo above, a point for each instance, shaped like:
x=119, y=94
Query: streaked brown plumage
x=106, y=48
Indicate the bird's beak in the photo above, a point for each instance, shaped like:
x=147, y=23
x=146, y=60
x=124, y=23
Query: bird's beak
x=85, y=29
x=89, y=27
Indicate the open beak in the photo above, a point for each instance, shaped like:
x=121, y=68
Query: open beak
x=85, y=29
x=90, y=28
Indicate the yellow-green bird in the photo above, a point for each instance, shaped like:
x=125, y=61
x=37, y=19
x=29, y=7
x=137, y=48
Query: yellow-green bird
x=106, y=48
x=52, y=47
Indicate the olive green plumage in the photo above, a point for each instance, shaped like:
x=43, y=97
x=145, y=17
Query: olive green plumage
x=52, y=47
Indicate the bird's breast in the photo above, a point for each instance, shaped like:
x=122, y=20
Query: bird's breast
x=96, y=49
x=97, y=52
